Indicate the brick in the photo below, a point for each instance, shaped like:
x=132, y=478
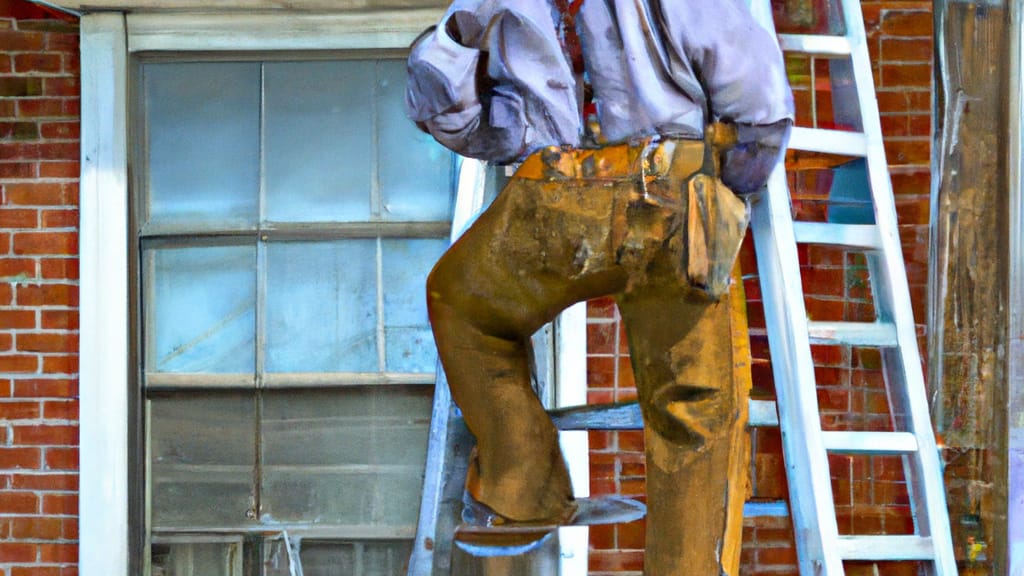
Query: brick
x=59, y=268
x=17, y=503
x=38, y=62
x=6, y=342
x=20, y=457
x=60, y=504
x=67, y=364
x=58, y=553
x=15, y=170
x=59, y=320
x=61, y=410
x=17, y=268
x=19, y=131
x=19, y=87
x=60, y=218
x=23, y=410
x=40, y=194
x=46, y=482
x=18, y=218
x=67, y=42
x=7, y=108
x=61, y=458
x=66, y=86
x=62, y=435
x=45, y=388
x=16, y=319
x=36, y=528
x=47, y=295
x=18, y=363
x=907, y=23
x=60, y=130
x=46, y=243
x=50, y=342
x=59, y=169
x=904, y=101
x=907, y=50
x=908, y=152
x=906, y=75
x=601, y=337
x=40, y=107
x=17, y=552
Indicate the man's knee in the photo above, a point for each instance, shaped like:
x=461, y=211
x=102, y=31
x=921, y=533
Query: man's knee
x=692, y=415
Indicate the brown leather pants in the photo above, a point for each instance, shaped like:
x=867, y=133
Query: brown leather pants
x=642, y=224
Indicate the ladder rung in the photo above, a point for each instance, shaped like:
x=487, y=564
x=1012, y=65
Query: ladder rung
x=763, y=413
x=879, y=443
x=853, y=235
x=817, y=45
x=626, y=416
x=828, y=141
x=853, y=333
x=886, y=548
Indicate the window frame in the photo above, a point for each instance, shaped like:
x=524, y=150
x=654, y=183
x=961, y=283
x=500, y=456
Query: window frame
x=111, y=487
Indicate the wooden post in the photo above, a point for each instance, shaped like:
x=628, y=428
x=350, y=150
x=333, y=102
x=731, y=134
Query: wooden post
x=969, y=302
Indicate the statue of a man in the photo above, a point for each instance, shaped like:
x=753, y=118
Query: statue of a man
x=642, y=128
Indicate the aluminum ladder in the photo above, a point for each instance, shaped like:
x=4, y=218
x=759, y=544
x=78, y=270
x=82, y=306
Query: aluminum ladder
x=820, y=548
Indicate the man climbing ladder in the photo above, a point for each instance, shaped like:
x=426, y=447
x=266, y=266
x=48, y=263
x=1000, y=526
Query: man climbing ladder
x=687, y=111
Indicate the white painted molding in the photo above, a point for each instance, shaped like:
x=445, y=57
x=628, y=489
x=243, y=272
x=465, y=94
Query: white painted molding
x=571, y=376
x=103, y=372
x=278, y=31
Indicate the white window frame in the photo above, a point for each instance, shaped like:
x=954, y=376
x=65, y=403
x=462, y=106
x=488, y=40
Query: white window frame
x=107, y=41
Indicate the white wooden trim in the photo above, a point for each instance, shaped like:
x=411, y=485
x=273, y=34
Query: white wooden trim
x=103, y=373
x=280, y=31
x=571, y=376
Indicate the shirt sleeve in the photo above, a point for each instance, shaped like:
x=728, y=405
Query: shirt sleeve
x=492, y=83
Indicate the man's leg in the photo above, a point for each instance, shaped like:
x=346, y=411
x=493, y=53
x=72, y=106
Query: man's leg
x=540, y=247
x=693, y=394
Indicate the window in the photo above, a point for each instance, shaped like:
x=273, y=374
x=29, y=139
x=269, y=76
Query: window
x=287, y=216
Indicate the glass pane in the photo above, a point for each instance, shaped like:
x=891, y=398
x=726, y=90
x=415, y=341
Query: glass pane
x=414, y=170
x=386, y=558
x=206, y=559
x=409, y=341
x=322, y=307
x=202, y=128
x=201, y=305
x=319, y=140
x=202, y=457
x=345, y=455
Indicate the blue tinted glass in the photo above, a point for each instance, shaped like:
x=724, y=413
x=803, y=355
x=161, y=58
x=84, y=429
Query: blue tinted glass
x=201, y=314
x=408, y=340
x=322, y=307
x=202, y=129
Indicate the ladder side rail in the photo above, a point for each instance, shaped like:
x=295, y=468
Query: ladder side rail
x=894, y=296
x=469, y=182
x=814, y=523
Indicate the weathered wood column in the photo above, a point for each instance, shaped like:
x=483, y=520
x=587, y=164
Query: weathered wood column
x=970, y=303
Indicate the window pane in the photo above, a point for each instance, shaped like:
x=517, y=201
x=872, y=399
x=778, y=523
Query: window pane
x=386, y=558
x=202, y=127
x=322, y=306
x=345, y=455
x=409, y=341
x=415, y=171
x=201, y=309
x=194, y=559
x=202, y=457
x=319, y=140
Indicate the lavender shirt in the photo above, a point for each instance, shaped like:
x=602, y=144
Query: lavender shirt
x=492, y=81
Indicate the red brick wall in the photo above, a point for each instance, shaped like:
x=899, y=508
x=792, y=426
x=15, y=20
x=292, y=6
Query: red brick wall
x=870, y=493
x=39, y=110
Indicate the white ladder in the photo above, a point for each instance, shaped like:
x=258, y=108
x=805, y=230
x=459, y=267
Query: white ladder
x=820, y=547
